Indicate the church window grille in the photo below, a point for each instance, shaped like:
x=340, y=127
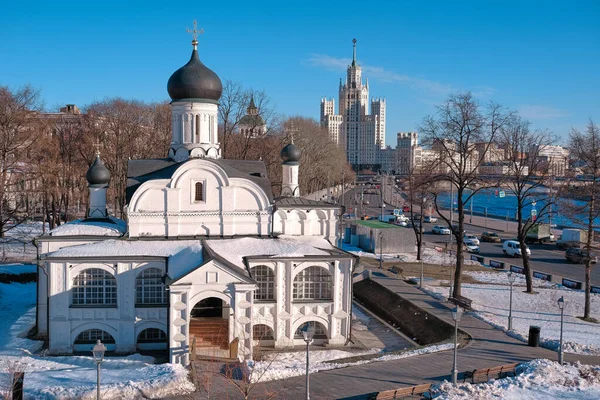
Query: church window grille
x=199, y=192
x=152, y=335
x=262, y=332
x=95, y=286
x=265, y=279
x=312, y=283
x=93, y=335
x=320, y=332
x=150, y=288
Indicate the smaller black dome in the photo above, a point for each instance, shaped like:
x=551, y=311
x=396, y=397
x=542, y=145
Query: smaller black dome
x=194, y=81
x=290, y=154
x=98, y=174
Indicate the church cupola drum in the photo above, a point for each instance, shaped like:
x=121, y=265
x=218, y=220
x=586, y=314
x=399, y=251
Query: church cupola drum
x=290, y=155
x=195, y=91
x=98, y=177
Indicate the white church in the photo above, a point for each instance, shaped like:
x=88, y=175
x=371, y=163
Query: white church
x=206, y=261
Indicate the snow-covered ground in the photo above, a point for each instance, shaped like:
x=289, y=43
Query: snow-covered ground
x=491, y=304
x=539, y=380
x=73, y=377
x=16, y=269
x=429, y=256
x=286, y=365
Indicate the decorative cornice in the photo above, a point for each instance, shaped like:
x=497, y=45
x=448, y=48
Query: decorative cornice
x=199, y=214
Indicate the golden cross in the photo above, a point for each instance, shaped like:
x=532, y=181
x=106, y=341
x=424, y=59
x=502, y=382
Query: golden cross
x=97, y=146
x=195, y=33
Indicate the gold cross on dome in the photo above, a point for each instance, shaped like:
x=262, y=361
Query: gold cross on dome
x=195, y=33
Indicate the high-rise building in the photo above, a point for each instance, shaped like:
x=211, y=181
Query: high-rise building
x=362, y=135
x=408, y=152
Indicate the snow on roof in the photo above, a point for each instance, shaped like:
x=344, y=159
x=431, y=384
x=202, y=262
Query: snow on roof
x=91, y=227
x=233, y=250
x=119, y=248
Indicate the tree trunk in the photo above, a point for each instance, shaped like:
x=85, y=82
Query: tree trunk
x=456, y=291
x=521, y=235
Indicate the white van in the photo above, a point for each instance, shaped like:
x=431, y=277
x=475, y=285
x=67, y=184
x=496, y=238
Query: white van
x=513, y=249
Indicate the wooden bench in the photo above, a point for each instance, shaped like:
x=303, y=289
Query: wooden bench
x=499, y=372
x=461, y=301
x=396, y=270
x=418, y=390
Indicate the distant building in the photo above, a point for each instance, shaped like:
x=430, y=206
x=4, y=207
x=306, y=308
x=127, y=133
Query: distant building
x=557, y=157
x=362, y=135
x=252, y=124
x=388, y=160
x=408, y=152
x=499, y=168
x=490, y=152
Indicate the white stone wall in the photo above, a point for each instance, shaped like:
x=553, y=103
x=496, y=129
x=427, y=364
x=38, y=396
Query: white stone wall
x=231, y=206
x=311, y=222
x=124, y=321
x=194, y=131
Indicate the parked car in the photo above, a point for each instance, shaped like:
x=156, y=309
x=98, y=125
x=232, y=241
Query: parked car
x=490, y=237
x=471, y=238
x=429, y=219
x=440, y=230
x=513, y=249
x=578, y=256
x=416, y=216
x=470, y=246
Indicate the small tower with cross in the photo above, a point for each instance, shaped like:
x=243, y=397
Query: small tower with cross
x=290, y=157
x=195, y=91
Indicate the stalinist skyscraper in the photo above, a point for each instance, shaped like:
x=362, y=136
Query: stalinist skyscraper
x=352, y=128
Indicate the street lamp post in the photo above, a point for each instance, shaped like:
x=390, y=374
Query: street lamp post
x=561, y=305
x=511, y=279
x=308, y=333
x=456, y=314
x=98, y=352
x=380, y=250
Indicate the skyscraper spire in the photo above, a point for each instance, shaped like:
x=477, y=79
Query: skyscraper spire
x=354, y=52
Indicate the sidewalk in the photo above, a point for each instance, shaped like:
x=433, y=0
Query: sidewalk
x=489, y=347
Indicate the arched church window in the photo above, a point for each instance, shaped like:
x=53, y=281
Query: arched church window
x=313, y=283
x=199, y=192
x=320, y=332
x=149, y=287
x=262, y=332
x=265, y=278
x=95, y=286
x=197, y=129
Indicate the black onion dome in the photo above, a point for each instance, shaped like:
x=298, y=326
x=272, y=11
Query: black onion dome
x=290, y=153
x=194, y=81
x=98, y=174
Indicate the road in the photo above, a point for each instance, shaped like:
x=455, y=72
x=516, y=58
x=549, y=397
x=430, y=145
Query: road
x=545, y=258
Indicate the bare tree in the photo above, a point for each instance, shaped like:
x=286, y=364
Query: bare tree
x=526, y=173
x=19, y=129
x=455, y=133
x=585, y=147
x=419, y=188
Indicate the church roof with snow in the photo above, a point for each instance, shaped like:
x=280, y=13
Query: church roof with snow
x=140, y=171
x=299, y=202
x=110, y=226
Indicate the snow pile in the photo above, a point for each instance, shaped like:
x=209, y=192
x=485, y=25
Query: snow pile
x=70, y=377
x=234, y=250
x=539, y=379
x=286, y=365
x=94, y=227
x=491, y=304
x=429, y=256
x=360, y=320
x=501, y=278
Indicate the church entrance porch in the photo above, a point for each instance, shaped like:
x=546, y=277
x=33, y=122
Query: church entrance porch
x=209, y=328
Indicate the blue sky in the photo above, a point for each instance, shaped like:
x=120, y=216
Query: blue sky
x=539, y=57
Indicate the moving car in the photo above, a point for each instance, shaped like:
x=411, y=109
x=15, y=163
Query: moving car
x=471, y=238
x=400, y=222
x=470, y=246
x=513, y=249
x=490, y=237
x=440, y=230
x=578, y=256
x=429, y=219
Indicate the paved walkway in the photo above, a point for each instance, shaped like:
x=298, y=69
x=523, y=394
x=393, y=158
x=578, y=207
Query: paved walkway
x=489, y=347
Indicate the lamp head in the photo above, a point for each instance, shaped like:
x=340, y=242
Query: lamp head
x=308, y=332
x=98, y=351
x=457, y=313
x=512, y=277
x=561, y=302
